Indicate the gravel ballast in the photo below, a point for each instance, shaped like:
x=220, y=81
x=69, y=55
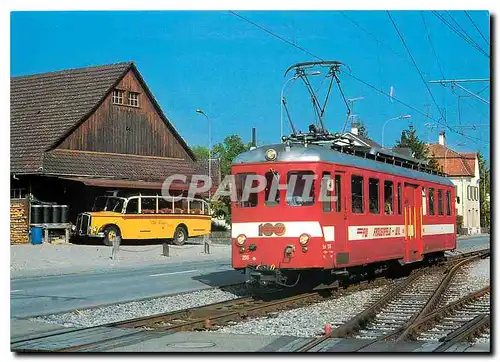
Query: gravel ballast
x=124, y=311
x=308, y=321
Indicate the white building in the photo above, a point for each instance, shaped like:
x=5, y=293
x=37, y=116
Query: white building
x=463, y=171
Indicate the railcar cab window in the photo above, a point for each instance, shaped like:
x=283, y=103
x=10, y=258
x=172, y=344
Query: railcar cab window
x=373, y=195
x=440, y=202
x=431, y=201
x=388, y=198
x=338, y=193
x=358, y=206
x=448, y=203
x=271, y=192
x=326, y=193
x=246, y=199
x=300, y=188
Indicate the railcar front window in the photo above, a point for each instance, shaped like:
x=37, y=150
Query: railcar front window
x=448, y=203
x=431, y=201
x=388, y=198
x=300, y=188
x=373, y=195
x=440, y=202
x=249, y=198
x=358, y=206
x=271, y=192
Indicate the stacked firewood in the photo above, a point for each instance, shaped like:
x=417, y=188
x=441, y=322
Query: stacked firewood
x=19, y=228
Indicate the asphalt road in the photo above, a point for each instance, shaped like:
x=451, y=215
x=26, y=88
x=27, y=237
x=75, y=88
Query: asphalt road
x=54, y=294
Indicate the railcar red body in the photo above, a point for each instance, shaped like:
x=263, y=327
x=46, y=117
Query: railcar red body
x=378, y=212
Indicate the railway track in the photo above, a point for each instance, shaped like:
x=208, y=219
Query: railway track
x=391, y=317
x=207, y=316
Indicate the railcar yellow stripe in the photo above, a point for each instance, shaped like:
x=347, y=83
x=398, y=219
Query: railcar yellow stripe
x=415, y=221
x=421, y=221
x=406, y=226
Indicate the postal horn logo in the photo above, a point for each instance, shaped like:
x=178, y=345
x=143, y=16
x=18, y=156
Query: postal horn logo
x=269, y=229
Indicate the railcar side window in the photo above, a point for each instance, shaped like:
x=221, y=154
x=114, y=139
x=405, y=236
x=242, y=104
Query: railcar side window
x=272, y=183
x=358, y=206
x=448, y=203
x=338, y=193
x=300, y=188
x=431, y=201
x=440, y=202
x=400, y=198
x=388, y=198
x=241, y=180
x=325, y=185
x=373, y=195
x=424, y=201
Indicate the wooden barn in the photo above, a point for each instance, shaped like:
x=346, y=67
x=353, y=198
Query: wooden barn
x=78, y=133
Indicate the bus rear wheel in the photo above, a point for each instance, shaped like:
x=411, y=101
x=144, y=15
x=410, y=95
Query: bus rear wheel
x=180, y=235
x=110, y=234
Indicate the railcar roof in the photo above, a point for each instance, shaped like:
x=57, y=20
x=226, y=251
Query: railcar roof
x=315, y=153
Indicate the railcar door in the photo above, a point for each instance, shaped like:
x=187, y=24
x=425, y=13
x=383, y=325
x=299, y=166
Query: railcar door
x=413, y=223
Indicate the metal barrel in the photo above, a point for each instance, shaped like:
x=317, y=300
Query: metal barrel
x=64, y=213
x=56, y=214
x=36, y=214
x=47, y=216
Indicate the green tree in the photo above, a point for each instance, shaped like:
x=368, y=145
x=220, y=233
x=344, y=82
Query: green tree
x=201, y=152
x=484, y=191
x=409, y=139
x=362, y=130
x=226, y=151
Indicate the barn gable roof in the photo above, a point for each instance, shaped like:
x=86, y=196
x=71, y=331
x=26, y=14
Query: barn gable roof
x=47, y=107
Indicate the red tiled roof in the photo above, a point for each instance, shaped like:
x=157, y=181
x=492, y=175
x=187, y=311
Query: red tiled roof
x=453, y=163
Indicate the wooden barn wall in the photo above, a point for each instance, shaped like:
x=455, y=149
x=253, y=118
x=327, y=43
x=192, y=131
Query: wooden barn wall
x=124, y=129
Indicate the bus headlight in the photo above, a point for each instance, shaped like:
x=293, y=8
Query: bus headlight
x=304, y=239
x=240, y=240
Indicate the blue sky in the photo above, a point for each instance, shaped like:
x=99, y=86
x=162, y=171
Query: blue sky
x=234, y=71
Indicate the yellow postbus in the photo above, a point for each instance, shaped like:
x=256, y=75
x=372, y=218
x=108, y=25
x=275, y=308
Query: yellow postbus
x=145, y=218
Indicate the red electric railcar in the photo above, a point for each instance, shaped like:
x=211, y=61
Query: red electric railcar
x=383, y=207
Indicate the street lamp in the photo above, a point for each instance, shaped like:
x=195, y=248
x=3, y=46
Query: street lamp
x=406, y=116
x=209, y=149
x=281, y=99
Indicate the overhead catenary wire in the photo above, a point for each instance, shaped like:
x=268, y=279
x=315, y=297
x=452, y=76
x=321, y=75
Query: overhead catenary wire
x=351, y=75
x=415, y=65
x=447, y=23
x=475, y=26
x=463, y=31
x=432, y=45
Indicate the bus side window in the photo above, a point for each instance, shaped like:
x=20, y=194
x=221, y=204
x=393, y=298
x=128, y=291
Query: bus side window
x=388, y=198
x=357, y=194
x=338, y=192
x=400, y=198
x=373, y=195
x=431, y=201
x=132, y=206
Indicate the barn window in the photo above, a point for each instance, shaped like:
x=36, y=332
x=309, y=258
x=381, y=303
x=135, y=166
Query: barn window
x=272, y=183
x=440, y=202
x=300, y=188
x=431, y=201
x=133, y=99
x=358, y=206
x=388, y=198
x=400, y=198
x=448, y=203
x=373, y=195
x=338, y=193
x=246, y=181
x=118, y=96
x=325, y=183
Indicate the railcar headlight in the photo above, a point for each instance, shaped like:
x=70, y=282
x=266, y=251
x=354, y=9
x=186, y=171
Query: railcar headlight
x=304, y=239
x=271, y=154
x=240, y=240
